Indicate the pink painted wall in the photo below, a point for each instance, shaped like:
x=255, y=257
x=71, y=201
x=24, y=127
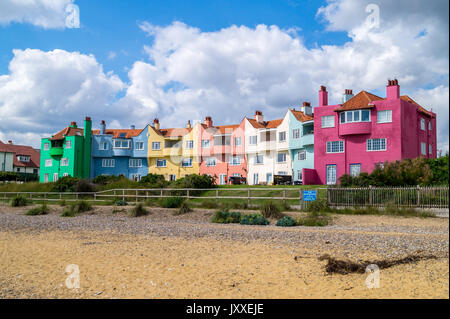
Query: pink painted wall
x=403, y=136
x=222, y=154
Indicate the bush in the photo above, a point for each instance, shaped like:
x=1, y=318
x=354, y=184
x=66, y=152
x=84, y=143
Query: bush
x=105, y=179
x=286, y=221
x=271, y=210
x=320, y=205
x=254, y=219
x=19, y=201
x=209, y=204
x=184, y=209
x=62, y=203
x=84, y=186
x=82, y=206
x=65, y=184
x=69, y=211
x=313, y=220
x=171, y=202
x=120, y=202
x=195, y=181
x=138, y=211
x=41, y=210
x=8, y=176
x=226, y=217
x=154, y=180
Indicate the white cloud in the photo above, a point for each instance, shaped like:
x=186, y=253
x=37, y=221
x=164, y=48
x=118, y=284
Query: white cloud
x=44, y=91
x=43, y=13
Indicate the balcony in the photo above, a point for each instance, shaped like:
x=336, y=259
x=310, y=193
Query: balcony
x=172, y=151
x=56, y=151
x=307, y=139
x=357, y=128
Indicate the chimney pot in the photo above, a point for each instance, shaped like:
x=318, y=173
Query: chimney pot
x=392, y=90
x=10, y=142
x=258, y=117
x=188, y=124
x=208, y=121
x=306, y=104
x=323, y=96
x=88, y=118
x=156, y=123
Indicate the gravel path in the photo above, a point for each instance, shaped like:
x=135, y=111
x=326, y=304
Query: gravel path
x=386, y=240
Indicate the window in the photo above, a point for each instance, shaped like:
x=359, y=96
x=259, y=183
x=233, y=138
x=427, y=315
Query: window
x=68, y=144
x=355, y=116
x=237, y=141
x=189, y=144
x=269, y=178
x=384, y=116
x=259, y=159
x=281, y=136
x=161, y=163
x=122, y=143
x=156, y=146
x=379, y=165
x=46, y=146
x=205, y=143
x=22, y=158
x=65, y=174
x=423, y=148
x=430, y=149
x=172, y=177
x=301, y=155
x=211, y=161
x=282, y=173
x=335, y=147
x=106, y=162
x=139, y=146
x=48, y=163
x=300, y=175
x=253, y=140
x=136, y=177
x=429, y=126
x=235, y=160
x=222, y=179
x=296, y=133
x=255, y=178
x=64, y=161
x=103, y=146
x=355, y=169
x=46, y=178
x=55, y=177
x=422, y=124
x=376, y=144
x=18, y=169
x=328, y=121
x=186, y=162
x=281, y=158
x=135, y=162
x=331, y=174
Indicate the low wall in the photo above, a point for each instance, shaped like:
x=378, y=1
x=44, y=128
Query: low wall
x=310, y=177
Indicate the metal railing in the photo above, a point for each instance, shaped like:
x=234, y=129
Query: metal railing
x=417, y=197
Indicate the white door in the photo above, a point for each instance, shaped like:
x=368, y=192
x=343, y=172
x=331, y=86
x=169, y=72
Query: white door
x=55, y=177
x=269, y=178
x=222, y=179
x=46, y=178
x=331, y=174
x=255, y=179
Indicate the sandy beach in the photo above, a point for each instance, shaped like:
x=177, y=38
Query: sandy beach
x=166, y=256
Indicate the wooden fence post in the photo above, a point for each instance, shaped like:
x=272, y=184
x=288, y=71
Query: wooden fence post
x=418, y=195
x=217, y=196
x=123, y=194
x=248, y=197
x=370, y=195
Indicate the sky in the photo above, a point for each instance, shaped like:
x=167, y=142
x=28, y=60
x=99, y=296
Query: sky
x=127, y=62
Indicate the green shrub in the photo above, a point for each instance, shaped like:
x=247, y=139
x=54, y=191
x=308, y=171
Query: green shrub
x=184, y=209
x=320, y=205
x=138, y=210
x=171, y=202
x=120, y=202
x=286, y=221
x=41, y=210
x=154, y=181
x=8, y=176
x=70, y=211
x=254, y=219
x=195, y=181
x=84, y=186
x=209, y=204
x=19, y=201
x=105, y=179
x=62, y=203
x=314, y=218
x=226, y=217
x=271, y=210
x=65, y=184
x=82, y=206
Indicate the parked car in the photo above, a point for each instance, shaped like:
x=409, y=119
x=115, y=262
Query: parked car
x=282, y=180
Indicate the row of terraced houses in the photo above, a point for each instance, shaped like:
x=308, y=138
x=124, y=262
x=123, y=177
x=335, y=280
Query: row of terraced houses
x=313, y=145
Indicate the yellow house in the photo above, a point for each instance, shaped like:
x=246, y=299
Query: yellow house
x=173, y=152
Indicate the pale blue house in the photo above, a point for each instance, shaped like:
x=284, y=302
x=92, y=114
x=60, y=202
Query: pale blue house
x=120, y=152
x=301, y=142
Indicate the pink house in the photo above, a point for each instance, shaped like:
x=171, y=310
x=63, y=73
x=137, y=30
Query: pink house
x=367, y=130
x=222, y=151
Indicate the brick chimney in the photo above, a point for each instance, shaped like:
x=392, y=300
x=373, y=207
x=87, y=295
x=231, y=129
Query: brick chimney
x=348, y=94
x=323, y=96
x=156, y=123
x=102, y=127
x=258, y=117
x=73, y=124
x=208, y=121
x=306, y=108
x=132, y=127
x=392, y=90
x=10, y=142
x=189, y=124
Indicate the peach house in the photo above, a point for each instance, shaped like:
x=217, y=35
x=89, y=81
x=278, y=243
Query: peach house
x=366, y=130
x=222, y=151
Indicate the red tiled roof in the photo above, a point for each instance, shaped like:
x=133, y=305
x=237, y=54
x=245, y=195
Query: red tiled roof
x=265, y=124
x=359, y=101
x=68, y=131
x=173, y=132
x=34, y=154
x=420, y=108
x=129, y=133
x=302, y=117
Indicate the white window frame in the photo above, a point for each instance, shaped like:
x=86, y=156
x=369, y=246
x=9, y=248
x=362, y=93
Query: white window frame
x=429, y=126
x=423, y=148
x=370, y=144
x=351, y=167
x=334, y=181
x=183, y=161
x=285, y=157
x=137, y=146
x=210, y=161
x=384, y=116
x=422, y=124
x=135, y=162
x=46, y=177
x=256, y=162
x=206, y=143
x=233, y=161
x=253, y=140
x=327, y=121
x=64, y=162
x=68, y=144
x=236, y=139
x=189, y=144
x=55, y=177
x=103, y=146
x=108, y=162
x=23, y=158
x=162, y=160
x=341, y=143
x=65, y=174
x=156, y=146
x=255, y=178
x=122, y=141
x=282, y=136
x=301, y=154
x=353, y=112
x=48, y=162
x=430, y=149
x=300, y=175
x=296, y=133
x=46, y=146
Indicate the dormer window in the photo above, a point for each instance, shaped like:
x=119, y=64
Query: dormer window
x=121, y=143
x=23, y=158
x=355, y=116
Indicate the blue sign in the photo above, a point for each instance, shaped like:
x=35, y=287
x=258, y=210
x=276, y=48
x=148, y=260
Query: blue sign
x=309, y=196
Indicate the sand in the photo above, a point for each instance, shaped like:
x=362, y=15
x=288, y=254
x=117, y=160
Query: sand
x=126, y=264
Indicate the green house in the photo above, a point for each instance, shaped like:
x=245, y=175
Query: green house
x=67, y=153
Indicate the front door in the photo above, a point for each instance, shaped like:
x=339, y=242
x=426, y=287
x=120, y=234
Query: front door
x=55, y=177
x=269, y=178
x=222, y=179
x=331, y=174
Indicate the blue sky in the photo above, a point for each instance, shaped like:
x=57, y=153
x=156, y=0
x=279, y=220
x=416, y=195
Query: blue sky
x=132, y=61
